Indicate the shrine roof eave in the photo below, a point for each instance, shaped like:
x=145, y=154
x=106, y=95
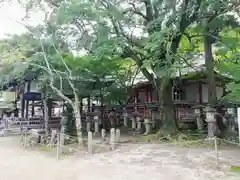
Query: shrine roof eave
x=196, y=75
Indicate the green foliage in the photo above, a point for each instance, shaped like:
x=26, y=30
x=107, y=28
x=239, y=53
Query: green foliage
x=228, y=54
x=89, y=74
x=160, y=37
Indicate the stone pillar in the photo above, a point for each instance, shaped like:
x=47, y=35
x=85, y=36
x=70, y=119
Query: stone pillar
x=96, y=124
x=112, y=117
x=62, y=132
x=103, y=134
x=112, y=138
x=53, y=138
x=139, y=123
x=118, y=135
x=197, y=112
x=90, y=150
x=211, y=120
x=231, y=119
x=125, y=119
x=147, y=124
x=5, y=121
x=133, y=123
x=154, y=118
x=89, y=123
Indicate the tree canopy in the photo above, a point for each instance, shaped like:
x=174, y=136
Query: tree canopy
x=119, y=39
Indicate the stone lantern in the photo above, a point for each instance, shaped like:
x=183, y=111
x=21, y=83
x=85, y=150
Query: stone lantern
x=133, y=119
x=125, y=117
x=63, y=123
x=147, y=123
x=136, y=119
x=231, y=118
x=197, y=113
x=230, y=111
x=112, y=117
x=154, y=117
x=96, y=119
x=211, y=120
x=88, y=121
x=139, y=123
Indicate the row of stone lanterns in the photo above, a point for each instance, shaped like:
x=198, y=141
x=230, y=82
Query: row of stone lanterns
x=210, y=119
x=136, y=119
x=93, y=117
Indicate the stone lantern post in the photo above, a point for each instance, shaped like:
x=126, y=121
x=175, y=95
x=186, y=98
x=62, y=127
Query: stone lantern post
x=139, y=123
x=112, y=117
x=96, y=123
x=97, y=120
x=154, y=118
x=197, y=113
x=231, y=118
x=88, y=121
x=211, y=120
x=136, y=120
x=125, y=117
x=147, y=123
x=63, y=122
x=133, y=119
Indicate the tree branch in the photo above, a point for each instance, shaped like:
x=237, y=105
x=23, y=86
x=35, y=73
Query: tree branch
x=149, y=10
x=135, y=11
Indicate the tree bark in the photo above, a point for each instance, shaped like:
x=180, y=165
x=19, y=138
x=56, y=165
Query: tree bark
x=209, y=62
x=78, y=121
x=46, y=118
x=168, y=125
x=211, y=81
x=22, y=105
x=45, y=113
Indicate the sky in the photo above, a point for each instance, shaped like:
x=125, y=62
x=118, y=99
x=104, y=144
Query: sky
x=11, y=15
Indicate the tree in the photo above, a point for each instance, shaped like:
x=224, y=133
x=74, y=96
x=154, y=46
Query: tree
x=124, y=76
x=227, y=57
x=55, y=71
x=108, y=27
x=63, y=74
x=149, y=32
x=216, y=18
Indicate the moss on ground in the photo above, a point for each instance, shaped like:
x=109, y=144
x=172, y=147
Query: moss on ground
x=235, y=168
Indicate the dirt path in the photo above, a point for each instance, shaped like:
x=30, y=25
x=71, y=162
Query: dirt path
x=141, y=162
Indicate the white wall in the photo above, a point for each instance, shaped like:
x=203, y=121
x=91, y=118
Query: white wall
x=205, y=92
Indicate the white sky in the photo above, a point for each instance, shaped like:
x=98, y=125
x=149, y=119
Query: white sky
x=10, y=15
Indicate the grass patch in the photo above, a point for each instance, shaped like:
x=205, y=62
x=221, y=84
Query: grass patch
x=147, y=138
x=45, y=148
x=235, y=168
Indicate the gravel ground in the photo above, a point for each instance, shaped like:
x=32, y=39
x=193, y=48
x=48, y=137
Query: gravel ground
x=138, y=162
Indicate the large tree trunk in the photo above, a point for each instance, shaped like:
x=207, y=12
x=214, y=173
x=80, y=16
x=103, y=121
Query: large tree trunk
x=46, y=118
x=22, y=105
x=71, y=125
x=209, y=62
x=212, y=93
x=78, y=121
x=45, y=113
x=168, y=124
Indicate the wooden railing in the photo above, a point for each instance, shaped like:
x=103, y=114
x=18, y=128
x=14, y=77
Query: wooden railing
x=182, y=109
x=34, y=123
